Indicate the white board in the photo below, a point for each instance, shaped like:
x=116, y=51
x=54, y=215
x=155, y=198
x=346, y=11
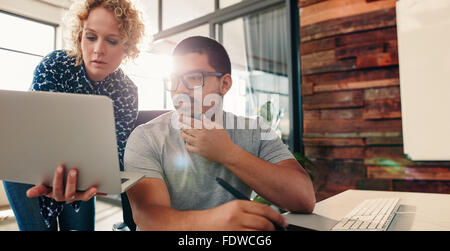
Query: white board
x=423, y=28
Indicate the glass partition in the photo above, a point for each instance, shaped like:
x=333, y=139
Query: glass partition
x=258, y=49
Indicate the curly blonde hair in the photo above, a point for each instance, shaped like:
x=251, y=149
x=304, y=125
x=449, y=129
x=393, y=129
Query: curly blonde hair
x=131, y=26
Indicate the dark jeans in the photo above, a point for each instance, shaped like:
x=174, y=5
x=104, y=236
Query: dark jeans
x=28, y=215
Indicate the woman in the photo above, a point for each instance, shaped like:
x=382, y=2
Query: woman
x=103, y=34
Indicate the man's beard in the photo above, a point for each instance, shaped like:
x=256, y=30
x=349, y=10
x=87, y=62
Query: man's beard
x=194, y=107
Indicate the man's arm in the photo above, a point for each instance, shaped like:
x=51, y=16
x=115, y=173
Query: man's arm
x=150, y=202
x=286, y=183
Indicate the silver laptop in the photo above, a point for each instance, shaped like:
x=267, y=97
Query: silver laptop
x=40, y=130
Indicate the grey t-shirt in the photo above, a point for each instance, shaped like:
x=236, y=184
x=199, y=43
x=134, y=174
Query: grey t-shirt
x=157, y=150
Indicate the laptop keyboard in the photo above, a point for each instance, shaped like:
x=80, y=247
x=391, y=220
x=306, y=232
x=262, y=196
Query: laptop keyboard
x=369, y=215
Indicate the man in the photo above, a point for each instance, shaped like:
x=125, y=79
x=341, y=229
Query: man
x=180, y=191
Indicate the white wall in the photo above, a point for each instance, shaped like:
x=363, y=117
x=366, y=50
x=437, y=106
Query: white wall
x=424, y=59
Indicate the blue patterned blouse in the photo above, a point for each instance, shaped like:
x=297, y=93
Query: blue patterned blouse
x=57, y=73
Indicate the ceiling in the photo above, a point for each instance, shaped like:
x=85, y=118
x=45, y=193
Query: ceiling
x=65, y=4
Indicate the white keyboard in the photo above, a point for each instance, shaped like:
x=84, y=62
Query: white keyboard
x=369, y=215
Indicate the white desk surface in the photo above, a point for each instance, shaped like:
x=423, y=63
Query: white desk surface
x=418, y=211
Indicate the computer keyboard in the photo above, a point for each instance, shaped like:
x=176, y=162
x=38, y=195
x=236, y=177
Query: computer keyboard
x=369, y=215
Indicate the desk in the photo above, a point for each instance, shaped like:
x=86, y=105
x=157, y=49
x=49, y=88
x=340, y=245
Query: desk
x=418, y=211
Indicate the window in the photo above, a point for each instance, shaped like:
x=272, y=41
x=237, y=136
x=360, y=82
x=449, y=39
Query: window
x=147, y=72
x=258, y=51
x=257, y=35
x=226, y=3
x=149, y=10
x=19, y=56
x=152, y=66
x=176, y=12
x=197, y=31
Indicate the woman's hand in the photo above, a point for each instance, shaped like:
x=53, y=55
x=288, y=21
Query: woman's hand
x=58, y=192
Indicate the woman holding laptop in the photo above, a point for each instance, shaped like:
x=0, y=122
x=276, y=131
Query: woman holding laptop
x=104, y=33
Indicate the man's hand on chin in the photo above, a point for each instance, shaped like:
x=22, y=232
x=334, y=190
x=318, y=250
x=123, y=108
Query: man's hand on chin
x=212, y=141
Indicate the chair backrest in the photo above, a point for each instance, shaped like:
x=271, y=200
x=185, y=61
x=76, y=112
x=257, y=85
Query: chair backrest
x=143, y=117
x=146, y=116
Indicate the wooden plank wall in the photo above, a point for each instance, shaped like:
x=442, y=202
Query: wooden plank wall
x=351, y=100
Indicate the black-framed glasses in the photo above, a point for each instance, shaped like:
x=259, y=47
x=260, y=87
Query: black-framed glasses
x=191, y=80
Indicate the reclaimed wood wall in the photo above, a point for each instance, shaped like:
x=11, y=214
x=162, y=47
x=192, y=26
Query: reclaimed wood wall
x=351, y=100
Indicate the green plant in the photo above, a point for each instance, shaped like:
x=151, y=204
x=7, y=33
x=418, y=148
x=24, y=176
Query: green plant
x=261, y=200
x=305, y=163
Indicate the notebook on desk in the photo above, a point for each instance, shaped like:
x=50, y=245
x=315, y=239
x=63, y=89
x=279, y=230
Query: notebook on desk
x=41, y=130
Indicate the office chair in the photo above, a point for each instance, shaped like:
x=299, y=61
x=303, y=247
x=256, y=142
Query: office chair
x=129, y=224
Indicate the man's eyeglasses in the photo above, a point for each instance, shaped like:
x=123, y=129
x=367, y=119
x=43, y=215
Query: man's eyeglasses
x=191, y=80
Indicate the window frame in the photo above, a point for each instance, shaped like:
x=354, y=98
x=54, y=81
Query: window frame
x=55, y=27
x=244, y=8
